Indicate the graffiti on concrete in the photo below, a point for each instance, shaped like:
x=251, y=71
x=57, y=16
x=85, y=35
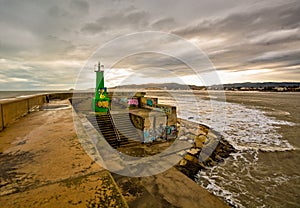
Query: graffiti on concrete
x=133, y=102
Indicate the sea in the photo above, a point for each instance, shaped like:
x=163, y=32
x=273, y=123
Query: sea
x=7, y=95
x=264, y=129
x=15, y=94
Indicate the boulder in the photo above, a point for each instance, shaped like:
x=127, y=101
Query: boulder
x=202, y=129
x=183, y=162
x=209, y=148
x=191, y=158
x=183, y=138
x=194, y=151
x=199, y=141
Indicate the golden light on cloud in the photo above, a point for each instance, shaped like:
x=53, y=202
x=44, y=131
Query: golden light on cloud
x=207, y=42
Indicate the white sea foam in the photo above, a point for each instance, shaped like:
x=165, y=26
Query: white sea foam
x=249, y=130
x=245, y=128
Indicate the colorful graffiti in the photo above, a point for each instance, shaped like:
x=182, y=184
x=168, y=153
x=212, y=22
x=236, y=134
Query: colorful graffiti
x=123, y=100
x=151, y=102
x=162, y=132
x=165, y=109
x=171, y=130
x=103, y=101
x=149, y=136
x=103, y=104
x=102, y=93
x=133, y=102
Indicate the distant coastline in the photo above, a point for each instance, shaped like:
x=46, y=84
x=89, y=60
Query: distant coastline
x=247, y=86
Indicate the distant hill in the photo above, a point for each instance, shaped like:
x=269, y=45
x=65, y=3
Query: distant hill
x=169, y=86
x=261, y=86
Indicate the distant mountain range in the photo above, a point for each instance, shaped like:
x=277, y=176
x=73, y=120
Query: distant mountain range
x=169, y=86
x=262, y=86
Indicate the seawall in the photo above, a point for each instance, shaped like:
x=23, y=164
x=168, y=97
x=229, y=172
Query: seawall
x=66, y=179
x=42, y=164
x=14, y=108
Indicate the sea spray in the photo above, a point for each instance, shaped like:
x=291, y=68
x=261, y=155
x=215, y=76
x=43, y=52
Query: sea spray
x=244, y=179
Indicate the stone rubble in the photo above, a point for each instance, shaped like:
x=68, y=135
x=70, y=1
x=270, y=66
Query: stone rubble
x=209, y=148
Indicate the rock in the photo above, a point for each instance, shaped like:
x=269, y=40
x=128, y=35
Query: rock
x=194, y=131
x=181, y=153
x=199, y=141
x=194, y=151
x=202, y=129
x=191, y=141
x=183, y=138
x=209, y=162
x=191, y=136
x=182, y=162
x=191, y=158
x=209, y=149
x=219, y=159
x=199, y=132
x=190, y=168
x=181, y=132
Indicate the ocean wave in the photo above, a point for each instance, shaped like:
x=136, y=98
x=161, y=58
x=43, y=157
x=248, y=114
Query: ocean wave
x=230, y=180
x=245, y=128
x=251, y=131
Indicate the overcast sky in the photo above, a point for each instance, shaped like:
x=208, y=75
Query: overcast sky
x=45, y=44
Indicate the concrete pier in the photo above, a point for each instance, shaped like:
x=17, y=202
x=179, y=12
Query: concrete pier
x=42, y=164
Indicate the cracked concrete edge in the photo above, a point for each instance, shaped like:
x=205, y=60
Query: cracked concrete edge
x=79, y=128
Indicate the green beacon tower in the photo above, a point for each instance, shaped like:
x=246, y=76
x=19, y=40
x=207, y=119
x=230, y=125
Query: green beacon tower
x=101, y=101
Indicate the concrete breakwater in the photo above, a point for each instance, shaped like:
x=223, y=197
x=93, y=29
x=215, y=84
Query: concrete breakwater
x=14, y=108
x=145, y=190
x=42, y=164
x=208, y=149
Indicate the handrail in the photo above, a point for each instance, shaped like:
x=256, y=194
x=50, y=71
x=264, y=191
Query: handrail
x=114, y=126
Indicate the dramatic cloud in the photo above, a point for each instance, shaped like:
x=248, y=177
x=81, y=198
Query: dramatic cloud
x=279, y=36
x=44, y=44
x=288, y=55
x=126, y=19
x=164, y=23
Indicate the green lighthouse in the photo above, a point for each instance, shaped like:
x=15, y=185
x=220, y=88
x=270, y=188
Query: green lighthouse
x=101, y=102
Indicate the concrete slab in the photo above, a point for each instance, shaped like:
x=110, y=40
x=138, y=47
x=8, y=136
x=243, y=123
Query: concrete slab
x=42, y=164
